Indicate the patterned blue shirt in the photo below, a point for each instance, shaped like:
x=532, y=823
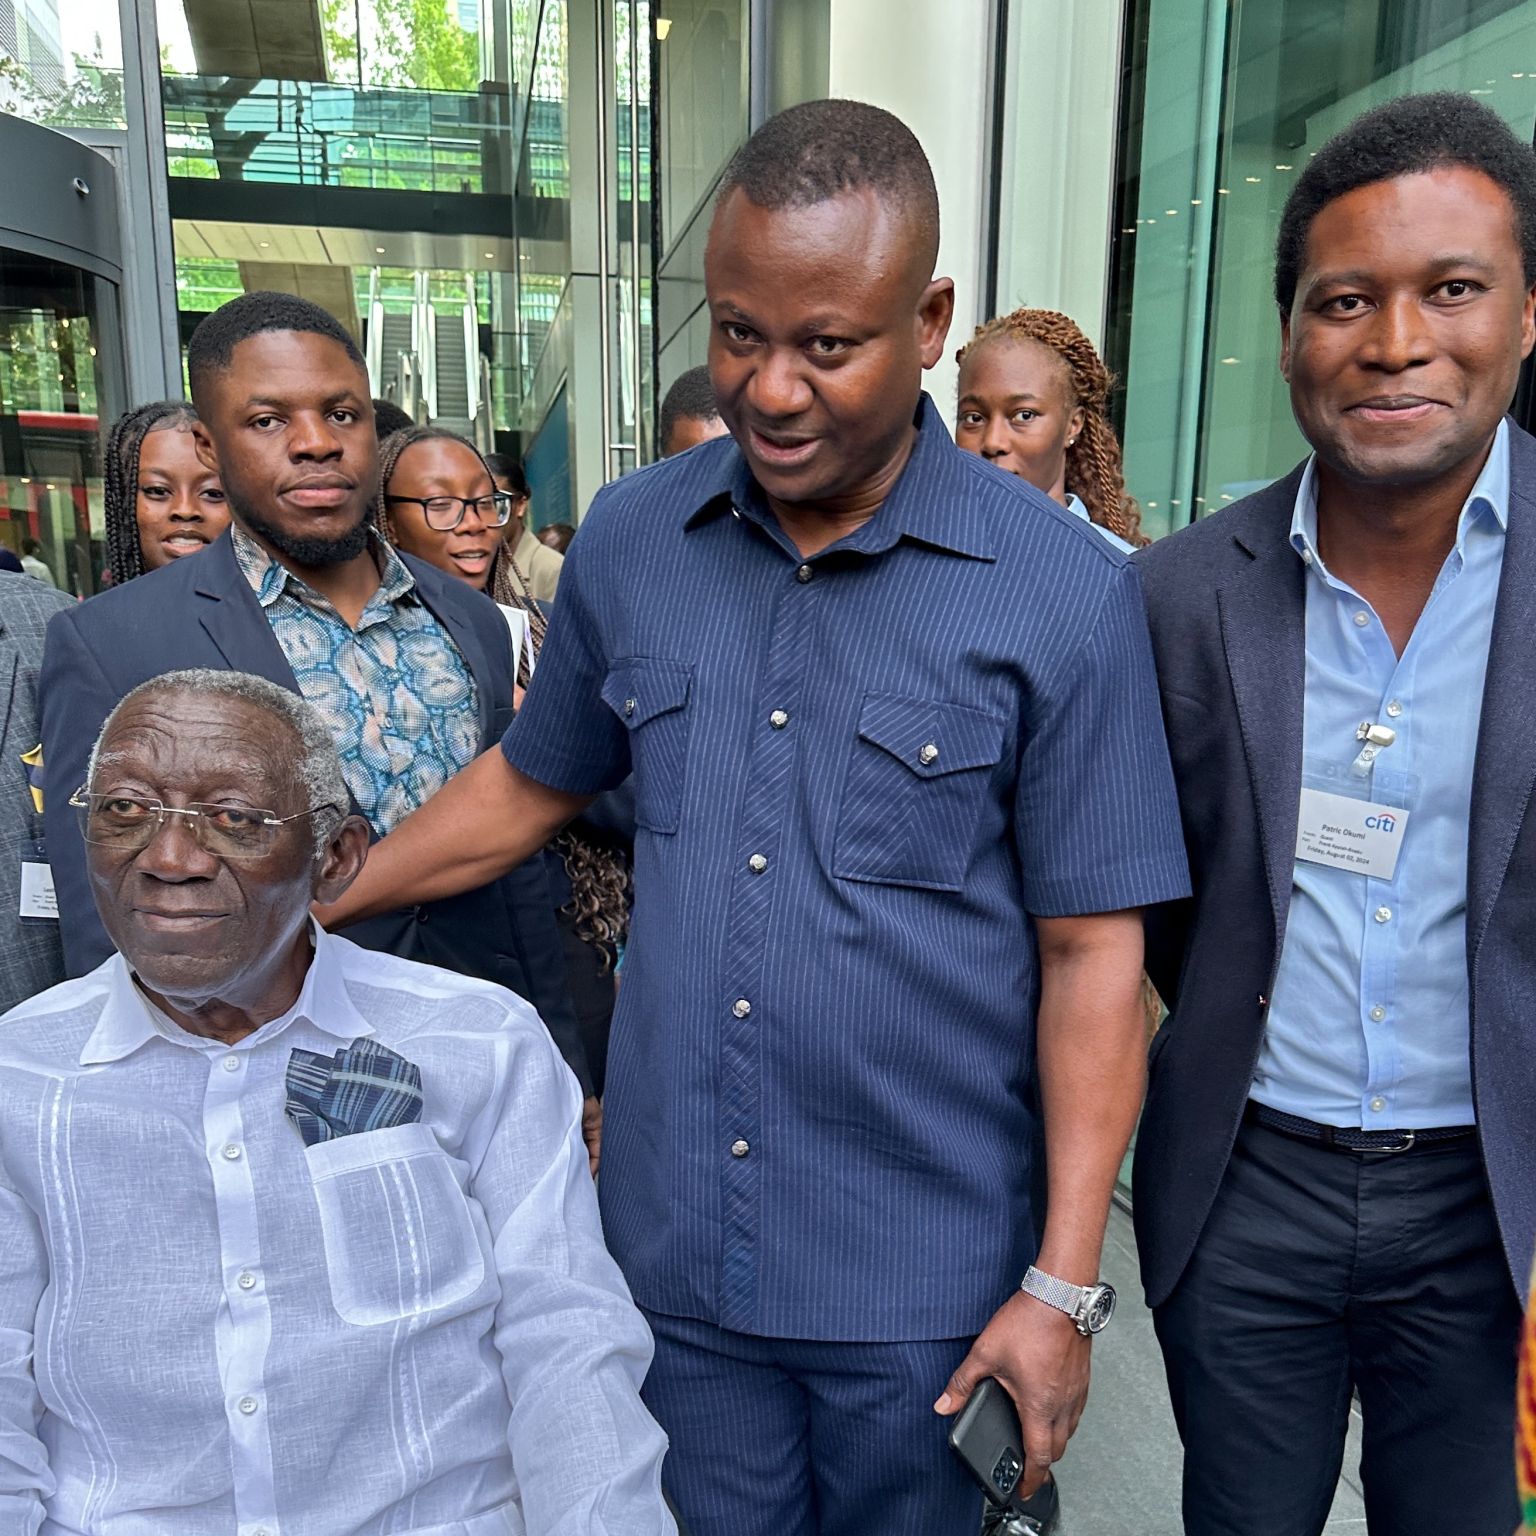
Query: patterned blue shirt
x=1370, y=1024
x=857, y=779
x=399, y=700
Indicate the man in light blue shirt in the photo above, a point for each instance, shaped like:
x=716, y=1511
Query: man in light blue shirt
x=1388, y=954
x=1336, y=1169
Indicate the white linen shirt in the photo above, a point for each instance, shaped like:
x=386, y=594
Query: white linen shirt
x=208, y=1329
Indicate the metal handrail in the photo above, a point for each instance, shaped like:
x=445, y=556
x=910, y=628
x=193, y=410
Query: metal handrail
x=472, y=351
x=410, y=385
x=375, y=358
x=484, y=426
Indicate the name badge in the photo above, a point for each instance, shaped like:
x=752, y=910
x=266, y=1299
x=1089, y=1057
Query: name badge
x=1358, y=835
x=37, y=895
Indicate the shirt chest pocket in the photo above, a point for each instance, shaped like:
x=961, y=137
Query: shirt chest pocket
x=916, y=788
x=399, y=1234
x=651, y=697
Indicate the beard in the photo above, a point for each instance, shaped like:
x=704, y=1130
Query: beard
x=303, y=549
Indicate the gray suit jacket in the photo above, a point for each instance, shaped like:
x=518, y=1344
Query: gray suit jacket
x=31, y=959
x=1226, y=606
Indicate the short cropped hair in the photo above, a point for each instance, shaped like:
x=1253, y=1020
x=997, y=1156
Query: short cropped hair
x=504, y=467
x=821, y=149
x=691, y=398
x=214, y=341
x=1405, y=138
x=388, y=417
x=318, y=769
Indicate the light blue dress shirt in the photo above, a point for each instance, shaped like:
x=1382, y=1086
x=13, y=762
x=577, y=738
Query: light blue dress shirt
x=1079, y=508
x=1368, y=1023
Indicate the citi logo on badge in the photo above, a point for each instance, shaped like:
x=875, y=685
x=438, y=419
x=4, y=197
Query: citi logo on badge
x=1382, y=823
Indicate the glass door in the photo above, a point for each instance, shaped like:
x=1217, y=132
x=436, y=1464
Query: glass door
x=60, y=388
x=62, y=377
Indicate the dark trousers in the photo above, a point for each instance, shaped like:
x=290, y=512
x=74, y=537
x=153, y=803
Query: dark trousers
x=784, y=1437
x=1323, y=1273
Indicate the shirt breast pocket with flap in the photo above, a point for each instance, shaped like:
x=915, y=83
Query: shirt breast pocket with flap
x=651, y=697
x=916, y=788
x=400, y=1237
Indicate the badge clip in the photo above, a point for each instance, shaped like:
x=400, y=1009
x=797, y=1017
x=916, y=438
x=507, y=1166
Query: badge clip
x=1376, y=739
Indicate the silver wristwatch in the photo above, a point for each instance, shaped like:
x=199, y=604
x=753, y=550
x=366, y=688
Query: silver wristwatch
x=1089, y=1306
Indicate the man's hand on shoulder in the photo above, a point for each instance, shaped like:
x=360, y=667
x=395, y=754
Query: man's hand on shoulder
x=592, y=1130
x=1044, y=1362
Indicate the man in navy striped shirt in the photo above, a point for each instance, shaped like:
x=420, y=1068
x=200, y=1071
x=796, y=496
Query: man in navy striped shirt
x=901, y=788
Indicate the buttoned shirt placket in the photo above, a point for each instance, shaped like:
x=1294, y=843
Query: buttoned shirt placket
x=243, y=1329
x=745, y=1011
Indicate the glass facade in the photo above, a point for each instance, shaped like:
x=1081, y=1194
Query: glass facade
x=703, y=112
x=1224, y=103
x=506, y=201
x=61, y=62
x=57, y=384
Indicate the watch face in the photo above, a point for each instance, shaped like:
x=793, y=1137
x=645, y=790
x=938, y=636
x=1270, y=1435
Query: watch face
x=1100, y=1308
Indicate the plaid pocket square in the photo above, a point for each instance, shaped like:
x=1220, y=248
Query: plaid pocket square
x=363, y=1087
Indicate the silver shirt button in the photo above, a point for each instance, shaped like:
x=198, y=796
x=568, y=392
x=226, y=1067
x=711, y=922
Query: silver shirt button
x=804, y=574
x=927, y=753
x=1378, y=1013
x=1394, y=709
x=629, y=706
x=740, y=1148
x=1377, y=1105
x=741, y=1007
x=778, y=719
x=757, y=863
x=232, y=1153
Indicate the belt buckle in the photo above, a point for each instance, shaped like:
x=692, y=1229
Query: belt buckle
x=1407, y=1139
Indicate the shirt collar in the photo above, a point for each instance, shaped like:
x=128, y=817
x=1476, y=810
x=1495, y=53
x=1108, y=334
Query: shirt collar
x=931, y=503
x=1490, y=494
x=269, y=578
x=129, y=1020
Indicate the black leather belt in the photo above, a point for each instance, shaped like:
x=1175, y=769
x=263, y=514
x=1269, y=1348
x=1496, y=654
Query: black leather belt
x=1337, y=1139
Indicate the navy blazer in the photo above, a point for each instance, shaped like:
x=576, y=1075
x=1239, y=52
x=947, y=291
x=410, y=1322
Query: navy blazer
x=200, y=611
x=1226, y=604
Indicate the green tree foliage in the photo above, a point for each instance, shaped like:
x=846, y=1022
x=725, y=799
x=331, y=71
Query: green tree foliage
x=404, y=45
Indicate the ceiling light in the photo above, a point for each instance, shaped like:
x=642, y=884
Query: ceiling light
x=490, y=255
x=266, y=245
x=378, y=250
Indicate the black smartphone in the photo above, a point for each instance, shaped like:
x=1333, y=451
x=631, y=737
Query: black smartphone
x=987, y=1438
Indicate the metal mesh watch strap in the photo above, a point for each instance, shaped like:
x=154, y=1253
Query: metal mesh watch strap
x=1053, y=1292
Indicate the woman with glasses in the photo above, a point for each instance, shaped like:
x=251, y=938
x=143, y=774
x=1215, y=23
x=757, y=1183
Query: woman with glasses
x=440, y=504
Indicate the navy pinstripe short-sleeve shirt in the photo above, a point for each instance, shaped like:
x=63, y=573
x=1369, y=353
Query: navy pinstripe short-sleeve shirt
x=857, y=778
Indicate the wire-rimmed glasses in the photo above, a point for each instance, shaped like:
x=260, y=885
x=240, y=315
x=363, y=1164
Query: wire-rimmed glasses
x=130, y=823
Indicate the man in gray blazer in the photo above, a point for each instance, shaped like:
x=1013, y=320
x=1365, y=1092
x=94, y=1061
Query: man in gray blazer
x=31, y=960
x=1336, y=1172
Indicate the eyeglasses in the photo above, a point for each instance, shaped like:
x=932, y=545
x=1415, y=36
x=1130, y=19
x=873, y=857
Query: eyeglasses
x=445, y=513
x=130, y=822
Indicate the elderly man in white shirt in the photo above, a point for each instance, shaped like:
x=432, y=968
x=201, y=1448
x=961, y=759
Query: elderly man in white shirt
x=296, y=1239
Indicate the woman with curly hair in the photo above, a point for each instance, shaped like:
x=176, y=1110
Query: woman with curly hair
x=440, y=503
x=1033, y=396
x=160, y=501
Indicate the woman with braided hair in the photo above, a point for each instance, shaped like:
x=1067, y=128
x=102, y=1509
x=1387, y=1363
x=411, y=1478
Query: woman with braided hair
x=1033, y=396
x=439, y=502
x=160, y=501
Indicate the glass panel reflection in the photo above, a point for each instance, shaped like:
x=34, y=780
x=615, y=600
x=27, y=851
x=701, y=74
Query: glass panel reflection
x=58, y=382
x=1225, y=103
